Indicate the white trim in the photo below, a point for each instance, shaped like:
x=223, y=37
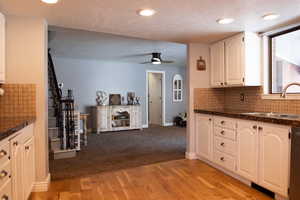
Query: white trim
x=145, y=126
x=163, y=96
x=42, y=186
x=191, y=156
x=278, y=30
x=169, y=124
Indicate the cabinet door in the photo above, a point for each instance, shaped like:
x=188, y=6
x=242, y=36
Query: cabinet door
x=217, y=64
x=28, y=167
x=17, y=168
x=2, y=48
x=247, y=155
x=234, y=57
x=204, y=136
x=274, y=158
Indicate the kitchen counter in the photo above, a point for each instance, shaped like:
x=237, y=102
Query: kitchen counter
x=10, y=125
x=248, y=116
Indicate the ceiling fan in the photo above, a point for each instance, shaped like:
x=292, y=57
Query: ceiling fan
x=156, y=59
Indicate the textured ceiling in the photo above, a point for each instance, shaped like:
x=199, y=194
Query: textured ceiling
x=176, y=20
x=78, y=44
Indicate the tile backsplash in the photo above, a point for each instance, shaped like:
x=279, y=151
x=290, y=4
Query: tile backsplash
x=19, y=100
x=252, y=100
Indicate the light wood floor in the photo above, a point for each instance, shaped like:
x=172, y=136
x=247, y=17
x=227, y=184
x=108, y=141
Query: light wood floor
x=173, y=180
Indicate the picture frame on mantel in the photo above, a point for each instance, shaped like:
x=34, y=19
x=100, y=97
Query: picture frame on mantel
x=201, y=64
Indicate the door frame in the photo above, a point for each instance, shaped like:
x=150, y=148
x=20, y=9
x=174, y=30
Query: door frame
x=163, y=85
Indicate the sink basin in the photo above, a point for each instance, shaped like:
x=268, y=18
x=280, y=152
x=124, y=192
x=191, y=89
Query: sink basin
x=276, y=115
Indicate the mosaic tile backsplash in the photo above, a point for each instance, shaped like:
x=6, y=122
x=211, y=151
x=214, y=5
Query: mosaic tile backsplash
x=19, y=100
x=213, y=99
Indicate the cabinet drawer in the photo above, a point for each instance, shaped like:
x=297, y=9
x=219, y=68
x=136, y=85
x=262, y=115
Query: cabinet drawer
x=225, y=160
x=4, y=153
x=225, y=122
x=5, y=173
x=225, y=145
x=225, y=133
x=5, y=191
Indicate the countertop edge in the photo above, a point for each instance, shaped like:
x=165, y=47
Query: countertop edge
x=13, y=130
x=286, y=122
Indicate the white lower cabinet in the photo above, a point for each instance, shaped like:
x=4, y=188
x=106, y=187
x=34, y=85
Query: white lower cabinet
x=247, y=150
x=274, y=158
x=259, y=153
x=22, y=163
x=204, y=135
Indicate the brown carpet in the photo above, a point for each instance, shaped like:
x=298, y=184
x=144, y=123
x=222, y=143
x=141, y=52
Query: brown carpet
x=120, y=150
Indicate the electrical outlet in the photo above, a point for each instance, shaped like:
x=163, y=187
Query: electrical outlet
x=242, y=97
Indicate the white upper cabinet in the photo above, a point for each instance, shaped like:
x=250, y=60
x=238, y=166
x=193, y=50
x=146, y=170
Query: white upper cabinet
x=247, y=147
x=217, y=53
x=274, y=158
x=204, y=136
x=236, y=61
x=2, y=48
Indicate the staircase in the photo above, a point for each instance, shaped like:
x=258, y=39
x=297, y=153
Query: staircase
x=60, y=140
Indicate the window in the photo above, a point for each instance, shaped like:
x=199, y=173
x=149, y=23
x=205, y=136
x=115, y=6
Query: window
x=284, y=60
x=177, y=88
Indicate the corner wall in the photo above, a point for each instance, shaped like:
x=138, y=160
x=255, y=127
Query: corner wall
x=26, y=63
x=196, y=79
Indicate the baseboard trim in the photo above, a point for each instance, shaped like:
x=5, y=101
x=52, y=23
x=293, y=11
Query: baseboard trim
x=190, y=155
x=42, y=186
x=169, y=124
x=145, y=126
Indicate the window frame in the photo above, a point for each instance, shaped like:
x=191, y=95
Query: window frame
x=270, y=59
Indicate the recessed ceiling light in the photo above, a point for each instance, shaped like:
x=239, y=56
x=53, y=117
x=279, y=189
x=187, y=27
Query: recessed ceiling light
x=225, y=20
x=270, y=16
x=50, y=1
x=146, y=12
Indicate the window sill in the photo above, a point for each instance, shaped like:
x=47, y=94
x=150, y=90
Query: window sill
x=278, y=97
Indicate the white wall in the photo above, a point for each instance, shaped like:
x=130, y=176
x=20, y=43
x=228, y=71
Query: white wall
x=26, y=62
x=196, y=79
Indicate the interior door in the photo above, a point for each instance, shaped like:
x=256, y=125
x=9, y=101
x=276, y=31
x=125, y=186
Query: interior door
x=155, y=98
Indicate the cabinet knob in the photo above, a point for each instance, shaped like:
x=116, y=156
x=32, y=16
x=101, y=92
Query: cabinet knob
x=3, y=174
x=27, y=148
x=222, y=144
x=222, y=122
x=3, y=153
x=254, y=127
x=222, y=132
x=221, y=83
x=15, y=143
x=260, y=128
x=222, y=159
x=4, y=197
x=225, y=83
x=209, y=119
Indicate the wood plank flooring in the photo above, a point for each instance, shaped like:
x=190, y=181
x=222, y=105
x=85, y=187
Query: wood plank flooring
x=173, y=180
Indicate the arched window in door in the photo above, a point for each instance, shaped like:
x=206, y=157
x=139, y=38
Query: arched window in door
x=177, y=88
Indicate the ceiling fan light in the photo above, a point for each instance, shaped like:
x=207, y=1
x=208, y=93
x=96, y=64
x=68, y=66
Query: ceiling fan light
x=50, y=1
x=155, y=61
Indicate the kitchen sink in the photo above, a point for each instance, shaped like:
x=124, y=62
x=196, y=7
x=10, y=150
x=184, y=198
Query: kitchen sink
x=275, y=115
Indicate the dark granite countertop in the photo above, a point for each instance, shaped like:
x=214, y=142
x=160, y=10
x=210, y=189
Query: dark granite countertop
x=244, y=115
x=10, y=125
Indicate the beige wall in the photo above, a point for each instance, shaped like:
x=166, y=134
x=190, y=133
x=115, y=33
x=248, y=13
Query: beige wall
x=196, y=79
x=26, y=62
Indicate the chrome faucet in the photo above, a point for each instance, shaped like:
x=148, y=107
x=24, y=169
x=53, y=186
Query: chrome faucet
x=283, y=94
